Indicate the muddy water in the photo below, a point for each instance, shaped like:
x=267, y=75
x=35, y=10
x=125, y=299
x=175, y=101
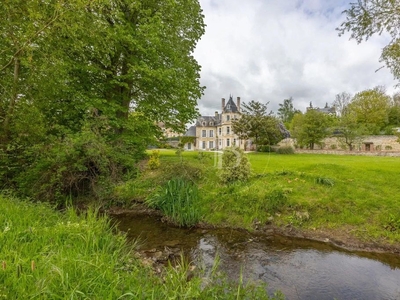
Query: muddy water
x=300, y=268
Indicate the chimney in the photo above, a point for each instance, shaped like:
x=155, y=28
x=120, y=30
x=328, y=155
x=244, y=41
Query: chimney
x=216, y=114
x=238, y=103
x=223, y=104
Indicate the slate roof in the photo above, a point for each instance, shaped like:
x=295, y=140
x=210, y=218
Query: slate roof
x=191, y=131
x=230, y=107
x=208, y=120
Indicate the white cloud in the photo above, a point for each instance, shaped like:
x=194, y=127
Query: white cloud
x=271, y=50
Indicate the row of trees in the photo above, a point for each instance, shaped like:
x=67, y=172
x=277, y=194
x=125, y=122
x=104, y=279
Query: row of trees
x=367, y=113
x=82, y=83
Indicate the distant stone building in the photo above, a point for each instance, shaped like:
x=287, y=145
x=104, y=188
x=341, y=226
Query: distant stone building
x=330, y=110
x=215, y=132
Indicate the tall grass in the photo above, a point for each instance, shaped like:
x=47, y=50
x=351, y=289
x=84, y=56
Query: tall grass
x=326, y=188
x=178, y=200
x=49, y=255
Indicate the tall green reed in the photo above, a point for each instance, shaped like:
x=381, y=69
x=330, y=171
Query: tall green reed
x=178, y=200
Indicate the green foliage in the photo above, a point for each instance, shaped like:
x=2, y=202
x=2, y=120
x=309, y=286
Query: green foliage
x=257, y=124
x=154, y=160
x=78, y=106
x=178, y=200
x=350, y=132
x=285, y=150
x=311, y=128
x=235, y=166
x=369, y=17
x=286, y=110
x=370, y=109
x=49, y=255
x=393, y=223
x=276, y=200
x=265, y=148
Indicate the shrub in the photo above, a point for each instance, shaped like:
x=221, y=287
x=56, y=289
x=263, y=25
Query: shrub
x=333, y=147
x=388, y=147
x=285, y=150
x=154, y=161
x=235, y=166
x=178, y=200
x=265, y=148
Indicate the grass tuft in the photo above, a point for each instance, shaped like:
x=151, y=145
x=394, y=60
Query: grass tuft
x=178, y=200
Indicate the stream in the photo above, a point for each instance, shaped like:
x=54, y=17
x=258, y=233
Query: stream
x=299, y=268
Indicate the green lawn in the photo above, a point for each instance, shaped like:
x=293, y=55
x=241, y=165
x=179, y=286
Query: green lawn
x=359, y=194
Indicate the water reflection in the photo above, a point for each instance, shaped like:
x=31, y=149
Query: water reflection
x=301, y=269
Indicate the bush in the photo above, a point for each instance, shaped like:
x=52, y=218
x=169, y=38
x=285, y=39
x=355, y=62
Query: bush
x=154, y=161
x=178, y=200
x=265, y=148
x=388, y=147
x=235, y=166
x=285, y=150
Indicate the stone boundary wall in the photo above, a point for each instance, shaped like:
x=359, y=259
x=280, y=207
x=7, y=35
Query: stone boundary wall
x=342, y=152
x=377, y=145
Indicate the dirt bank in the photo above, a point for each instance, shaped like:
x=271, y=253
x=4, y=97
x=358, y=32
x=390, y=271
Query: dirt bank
x=341, y=238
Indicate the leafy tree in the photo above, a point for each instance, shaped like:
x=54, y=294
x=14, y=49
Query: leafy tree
x=341, y=102
x=112, y=82
x=365, y=18
x=394, y=111
x=370, y=108
x=257, y=124
x=311, y=128
x=286, y=110
x=350, y=132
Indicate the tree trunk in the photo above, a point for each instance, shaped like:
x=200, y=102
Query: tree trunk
x=13, y=101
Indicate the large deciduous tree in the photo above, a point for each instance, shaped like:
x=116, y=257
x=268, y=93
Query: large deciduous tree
x=310, y=128
x=108, y=69
x=370, y=108
x=258, y=124
x=365, y=18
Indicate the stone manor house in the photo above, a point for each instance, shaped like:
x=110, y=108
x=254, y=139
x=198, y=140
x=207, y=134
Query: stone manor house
x=215, y=132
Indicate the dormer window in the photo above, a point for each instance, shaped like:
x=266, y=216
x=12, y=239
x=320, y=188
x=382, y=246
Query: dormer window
x=211, y=123
x=204, y=123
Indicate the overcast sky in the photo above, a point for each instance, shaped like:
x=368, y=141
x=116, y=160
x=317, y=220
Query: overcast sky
x=269, y=50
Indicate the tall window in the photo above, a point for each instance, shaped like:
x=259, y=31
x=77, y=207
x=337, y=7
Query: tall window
x=228, y=142
x=228, y=117
x=204, y=145
x=210, y=144
x=220, y=131
x=211, y=133
x=234, y=142
x=204, y=133
x=228, y=130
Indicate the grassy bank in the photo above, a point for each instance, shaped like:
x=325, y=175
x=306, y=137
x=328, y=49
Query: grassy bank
x=356, y=195
x=49, y=255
